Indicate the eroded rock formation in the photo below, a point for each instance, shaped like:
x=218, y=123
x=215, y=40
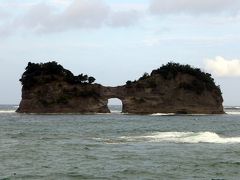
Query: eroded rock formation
x=173, y=88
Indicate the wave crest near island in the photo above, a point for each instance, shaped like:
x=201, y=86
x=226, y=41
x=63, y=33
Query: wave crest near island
x=184, y=137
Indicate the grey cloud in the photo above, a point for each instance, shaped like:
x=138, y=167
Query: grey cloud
x=5, y=31
x=80, y=14
x=39, y=16
x=195, y=7
x=124, y=18
x=85, y=13
x=4, y=15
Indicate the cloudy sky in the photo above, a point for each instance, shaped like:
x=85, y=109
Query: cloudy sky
x=119, y=40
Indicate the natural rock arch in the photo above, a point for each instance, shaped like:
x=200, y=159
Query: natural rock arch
x=173, y=88
x=115, y=105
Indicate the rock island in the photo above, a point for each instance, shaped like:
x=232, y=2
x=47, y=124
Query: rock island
x=173, y=88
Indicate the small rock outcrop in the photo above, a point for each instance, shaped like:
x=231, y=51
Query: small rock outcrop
x=173, y=88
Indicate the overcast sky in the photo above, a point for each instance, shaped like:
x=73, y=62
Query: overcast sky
x=119, y=40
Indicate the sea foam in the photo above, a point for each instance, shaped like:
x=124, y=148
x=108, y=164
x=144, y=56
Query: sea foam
x=233, y=112
x=163, y=114
x=184, y=137
x=7, y=111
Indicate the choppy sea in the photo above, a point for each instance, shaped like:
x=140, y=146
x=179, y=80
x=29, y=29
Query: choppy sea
x=119, y=146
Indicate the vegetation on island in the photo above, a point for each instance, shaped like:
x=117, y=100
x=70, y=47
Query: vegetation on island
x=40, y=73
x=169, y=71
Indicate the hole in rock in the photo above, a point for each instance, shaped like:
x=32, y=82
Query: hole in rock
x=115, y=105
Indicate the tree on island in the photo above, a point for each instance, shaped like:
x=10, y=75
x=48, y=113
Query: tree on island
x=91, y=80
x=171, y=70
x=39, y=73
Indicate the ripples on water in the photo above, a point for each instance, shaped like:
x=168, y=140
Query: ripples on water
x=116, y=146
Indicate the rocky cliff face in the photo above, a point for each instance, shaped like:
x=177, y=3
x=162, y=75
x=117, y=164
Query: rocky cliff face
x=173, y=88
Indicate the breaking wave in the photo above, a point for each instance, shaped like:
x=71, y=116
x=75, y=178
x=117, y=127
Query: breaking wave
x=116, y=112
x=7, y=111
x=233, y=112
x=163, y=114
x=174, y=114
x=232, y=107
x=184, y=137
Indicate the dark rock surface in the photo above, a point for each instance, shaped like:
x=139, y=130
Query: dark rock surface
x=173, y=88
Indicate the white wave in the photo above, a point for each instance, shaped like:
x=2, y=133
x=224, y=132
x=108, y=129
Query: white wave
x=232, y=107
x=116, y=112
x=7, y=111
x=184, y=137
x=235, y=107
x=233, y=112
x=163, y=114
x=173, y=114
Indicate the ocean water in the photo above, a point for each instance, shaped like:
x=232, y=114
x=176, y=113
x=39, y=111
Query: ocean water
x=119, y=146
